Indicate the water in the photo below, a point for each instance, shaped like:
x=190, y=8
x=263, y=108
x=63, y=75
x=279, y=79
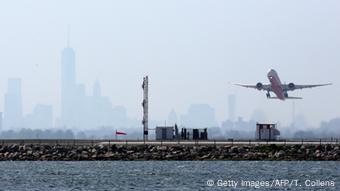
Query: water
x=164, y=175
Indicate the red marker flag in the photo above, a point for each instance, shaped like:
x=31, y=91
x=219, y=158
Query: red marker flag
x=120, y=133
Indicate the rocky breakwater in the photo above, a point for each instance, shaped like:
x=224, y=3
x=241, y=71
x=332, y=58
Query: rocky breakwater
x=179, y=152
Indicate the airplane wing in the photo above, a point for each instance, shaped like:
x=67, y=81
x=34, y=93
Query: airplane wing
x=292, y=87
x=259, y=86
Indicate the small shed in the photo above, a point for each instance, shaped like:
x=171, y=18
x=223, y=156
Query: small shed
x=164, y=133
x=266, y=131
x=194, y=134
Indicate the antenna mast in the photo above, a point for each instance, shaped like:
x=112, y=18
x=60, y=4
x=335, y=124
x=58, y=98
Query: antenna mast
x=145, y=105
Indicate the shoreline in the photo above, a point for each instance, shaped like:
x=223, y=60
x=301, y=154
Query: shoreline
x=36, y=152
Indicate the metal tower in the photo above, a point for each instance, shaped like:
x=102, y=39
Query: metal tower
x=145, y=105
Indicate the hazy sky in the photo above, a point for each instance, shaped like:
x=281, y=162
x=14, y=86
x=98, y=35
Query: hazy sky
x=191, y=50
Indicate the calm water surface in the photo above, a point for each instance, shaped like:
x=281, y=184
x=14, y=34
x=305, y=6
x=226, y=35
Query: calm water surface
x=168, y=175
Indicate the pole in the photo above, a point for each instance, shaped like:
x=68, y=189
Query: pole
x=145, y=105
x=293, y=113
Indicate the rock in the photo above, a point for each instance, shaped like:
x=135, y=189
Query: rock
x=36, y=154
x=84, y=156
x=108, y=155
x=168, y=156
x=152, y=149
x=14, y=148
x=205, y=157
x=162, y=148
x=3, y=149
x=29, y=152
x=279, y=154
x=175, y=152
x=113, y=148
x=234, y=149
x=241, y=150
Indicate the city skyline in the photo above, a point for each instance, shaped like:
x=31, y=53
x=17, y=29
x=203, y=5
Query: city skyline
x=85, y=112
x=69, y=84
x=190, y=58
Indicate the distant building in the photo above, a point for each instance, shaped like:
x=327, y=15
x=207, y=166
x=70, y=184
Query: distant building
x=68, y=87
x=79, y=110
x=164, y=133
x=199, y=115
x=231, y=107
x=40, y=118
x=266, y=132
x=13, y=105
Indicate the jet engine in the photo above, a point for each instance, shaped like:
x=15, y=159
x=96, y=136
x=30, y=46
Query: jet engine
x=291, y=86
x=259, y=86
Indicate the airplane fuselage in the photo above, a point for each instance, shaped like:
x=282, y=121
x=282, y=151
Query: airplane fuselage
x=276, y=84
x=279, y=89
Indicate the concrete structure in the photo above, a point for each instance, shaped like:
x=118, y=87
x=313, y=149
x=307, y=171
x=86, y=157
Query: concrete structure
x=194, y=134
x=145, y=105
x=266, y=132
x=165, y=133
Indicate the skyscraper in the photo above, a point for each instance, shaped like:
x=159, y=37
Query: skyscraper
x=68, y=85
x=231, y=107
x=79, y=110
x=13, y=104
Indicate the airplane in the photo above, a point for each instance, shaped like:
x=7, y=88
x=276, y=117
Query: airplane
x=279, y=89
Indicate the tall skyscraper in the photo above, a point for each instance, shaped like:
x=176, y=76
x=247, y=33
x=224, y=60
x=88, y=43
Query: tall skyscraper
x=79, y=110
x=231, y=107
x=68, y=85
x=13, y=104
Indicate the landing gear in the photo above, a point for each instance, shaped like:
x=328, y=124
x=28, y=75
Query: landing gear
x=268, y=95
x=286, y=94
